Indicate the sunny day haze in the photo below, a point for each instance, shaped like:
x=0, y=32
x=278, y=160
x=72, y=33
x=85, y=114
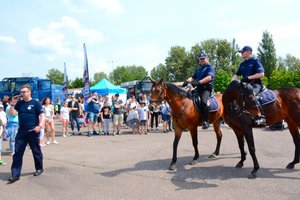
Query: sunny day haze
x=39, y=35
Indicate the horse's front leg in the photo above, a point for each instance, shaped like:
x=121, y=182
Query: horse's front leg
x=178, y=133
x=240, y=139
x=250, y=141
x=194, y=135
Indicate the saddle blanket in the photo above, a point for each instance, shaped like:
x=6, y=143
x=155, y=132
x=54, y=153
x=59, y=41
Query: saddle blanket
x=213, y=104
x=266, y=97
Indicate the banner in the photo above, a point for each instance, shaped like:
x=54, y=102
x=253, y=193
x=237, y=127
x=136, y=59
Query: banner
x=86, y=79
x=65, y=85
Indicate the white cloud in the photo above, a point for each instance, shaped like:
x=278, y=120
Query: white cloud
x=286, y=32
x=146, y=55
x=59, y=39
x=110, y=7
x=8, y=39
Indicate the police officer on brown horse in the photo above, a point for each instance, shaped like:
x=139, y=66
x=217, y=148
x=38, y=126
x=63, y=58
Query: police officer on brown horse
x=204, y=78
x=252, y=71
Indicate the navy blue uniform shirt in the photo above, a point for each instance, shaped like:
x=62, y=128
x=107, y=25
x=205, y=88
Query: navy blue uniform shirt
x=203, y=71
x=250, y=67
x=28, y=113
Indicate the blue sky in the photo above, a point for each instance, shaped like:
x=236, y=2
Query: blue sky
x=39, y=35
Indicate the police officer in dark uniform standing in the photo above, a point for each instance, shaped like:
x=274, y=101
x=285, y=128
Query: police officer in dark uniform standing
x=252, y=72
x=31, y=118
x=204, y=77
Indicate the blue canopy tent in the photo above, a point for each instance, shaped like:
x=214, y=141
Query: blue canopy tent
x=105, y=87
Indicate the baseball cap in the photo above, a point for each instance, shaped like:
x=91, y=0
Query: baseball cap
x=245, y=48
x=117, y=94
x=202, y=55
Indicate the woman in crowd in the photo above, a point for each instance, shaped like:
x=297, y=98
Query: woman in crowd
x=49, y=122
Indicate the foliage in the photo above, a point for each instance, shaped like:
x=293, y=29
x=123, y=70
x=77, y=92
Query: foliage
x=98, y=76
x=292, y=63
x=267, y=53
x=176, y=64
x=158, y=72
x=77, y=83
x=284, y=78
x=56, y=76
x=127, y=73
x=222, y=80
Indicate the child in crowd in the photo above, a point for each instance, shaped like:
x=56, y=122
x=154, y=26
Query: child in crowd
x=143, y=116
x=106, y=117
x=64, y=117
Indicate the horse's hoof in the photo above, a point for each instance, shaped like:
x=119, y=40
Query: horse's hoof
x=290, y=166
x=239, y=165
x=193, y=162
x=172, y=167
x=252, y=176
x=212, y=156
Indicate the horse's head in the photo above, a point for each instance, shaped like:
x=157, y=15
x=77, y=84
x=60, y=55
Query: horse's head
x=247, y=97
x=158, y=90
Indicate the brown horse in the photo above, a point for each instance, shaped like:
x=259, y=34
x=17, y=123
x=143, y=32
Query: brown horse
x=239, y=112
x=185, y=116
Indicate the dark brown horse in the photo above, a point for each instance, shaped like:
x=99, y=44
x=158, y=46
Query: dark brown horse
x=239, y=112
x=185, y=116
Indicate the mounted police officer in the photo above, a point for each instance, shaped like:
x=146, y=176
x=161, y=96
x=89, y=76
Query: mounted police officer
x=204, y=77
x=252, y=71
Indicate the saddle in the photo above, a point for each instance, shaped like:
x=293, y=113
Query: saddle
x=266, y=96
x=212, y=103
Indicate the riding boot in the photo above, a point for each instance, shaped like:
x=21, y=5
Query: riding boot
x=260, y=120
x=205, y=124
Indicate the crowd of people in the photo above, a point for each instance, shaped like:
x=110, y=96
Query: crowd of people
x=101, y=115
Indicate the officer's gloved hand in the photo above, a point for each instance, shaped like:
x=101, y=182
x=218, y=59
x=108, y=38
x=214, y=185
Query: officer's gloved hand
x=245, y=80
x=196, y=84
x=185, y=83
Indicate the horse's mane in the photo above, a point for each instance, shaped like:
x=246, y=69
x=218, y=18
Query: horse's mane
x=178, y=90
x=233, y=85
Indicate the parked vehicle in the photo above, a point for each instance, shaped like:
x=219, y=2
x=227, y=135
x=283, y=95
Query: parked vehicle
x=137, y=86
x=40, y=88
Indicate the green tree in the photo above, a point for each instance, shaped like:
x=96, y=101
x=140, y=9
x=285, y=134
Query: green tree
x=56, y=76
x=160, y=71
x=77, y=83
x=98, y=76
x=176, y=64
x=222, y=80
x=284, y=78
x=267, y=53
x=127, y=73
x=292, y=63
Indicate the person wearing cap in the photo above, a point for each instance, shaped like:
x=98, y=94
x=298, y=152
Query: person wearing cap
x=252, y=71
x=204, y=78
x=93, y=109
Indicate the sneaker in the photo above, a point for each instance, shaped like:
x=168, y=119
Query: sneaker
x=114, y=133
x=42, y=145
x=95, y=133
x=55, y=142
x=73, y=133
x=205, y=125
x=2, y=162
x=119, y=133
x=48, y=142
x=88, y=134
x=68, y=134
x=79, y=133
x=12, y=153
x=64, y=135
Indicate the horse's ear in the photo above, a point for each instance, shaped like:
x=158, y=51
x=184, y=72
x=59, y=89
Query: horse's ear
x=152, y=80
x=161, y=80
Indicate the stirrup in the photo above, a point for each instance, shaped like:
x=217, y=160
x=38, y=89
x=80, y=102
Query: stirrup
x=205, y=125
x=260, y=121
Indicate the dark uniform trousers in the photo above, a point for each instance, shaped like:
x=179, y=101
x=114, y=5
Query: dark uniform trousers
x=204, y=95
x=22, y=139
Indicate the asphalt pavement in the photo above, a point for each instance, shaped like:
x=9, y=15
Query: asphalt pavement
x=129, y=167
